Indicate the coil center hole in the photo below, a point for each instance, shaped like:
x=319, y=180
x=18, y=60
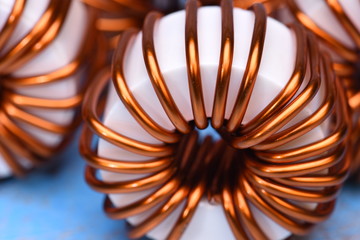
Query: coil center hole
x=203, y=157
x=209, y=131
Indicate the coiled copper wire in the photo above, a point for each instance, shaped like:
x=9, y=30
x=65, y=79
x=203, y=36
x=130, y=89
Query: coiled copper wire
x=116, y=16
x=346, y=68
x=15, y=142
x=270, y=5
x=245, y=167
x=132, y=13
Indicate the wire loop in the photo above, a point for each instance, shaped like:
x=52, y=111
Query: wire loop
x=16, y=109
x=251, y=165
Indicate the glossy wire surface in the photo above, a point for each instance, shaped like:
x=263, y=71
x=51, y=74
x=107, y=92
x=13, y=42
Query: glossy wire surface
x=346, y=68
x=350, y=55
x=270, y=5
x=246, y=167
x=116, y=16
x=15, y=142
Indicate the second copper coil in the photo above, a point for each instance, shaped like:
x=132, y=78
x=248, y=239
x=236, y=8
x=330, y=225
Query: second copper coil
x=15, y=142
x=346, y=67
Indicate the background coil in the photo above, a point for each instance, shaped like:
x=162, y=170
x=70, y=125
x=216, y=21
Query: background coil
x=21, y=108
x=115, y=16
x=252, y=166
x=345, y=53
x=270, y=5
x=349, y=54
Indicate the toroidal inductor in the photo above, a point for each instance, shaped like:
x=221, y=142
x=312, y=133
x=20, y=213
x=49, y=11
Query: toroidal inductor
x=42, y=64
x=337, y=24
x=266, y=88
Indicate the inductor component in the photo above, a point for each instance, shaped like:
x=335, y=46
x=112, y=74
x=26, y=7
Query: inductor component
x=337, y=25
x=42, y=78
x=265, y=88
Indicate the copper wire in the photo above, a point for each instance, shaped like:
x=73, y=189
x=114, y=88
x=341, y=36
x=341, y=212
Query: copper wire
x=349, y=54
x=346, y=68
x=131, y=13
x=246, y=167
x=270, y=5
x=15, y=142
x=116, y=16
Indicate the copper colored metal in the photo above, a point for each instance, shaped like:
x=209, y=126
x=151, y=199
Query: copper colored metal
x=15, y=108
x=345, y=67
x=244, y=168
x=116, y=16
x=270, y=5
x=349, y=55
x=130, y=13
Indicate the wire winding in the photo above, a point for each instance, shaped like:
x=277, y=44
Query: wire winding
x=16, y=108
x=247, y=167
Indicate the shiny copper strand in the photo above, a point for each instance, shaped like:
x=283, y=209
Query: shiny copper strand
x=270, y=5
x=15, y=142
x=126, y=13
x=347, y=69
x=248, y=168
x=116, y=16
x=348, y=54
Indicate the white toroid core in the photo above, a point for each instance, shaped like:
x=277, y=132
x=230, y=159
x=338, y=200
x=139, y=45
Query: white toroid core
x=277, y=66
x=58, y=54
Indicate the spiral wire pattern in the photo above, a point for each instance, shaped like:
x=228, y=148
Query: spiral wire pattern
x=246, y=167
x=270, y=5
x=116, y=16
x=345, y=69
x=350, y=55
x=15, y=142
x=132, y=11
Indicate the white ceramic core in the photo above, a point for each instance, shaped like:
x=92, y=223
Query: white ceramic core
x=58, y=54
x=276, y=69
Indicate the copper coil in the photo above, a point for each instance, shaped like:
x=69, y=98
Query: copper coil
x=348, y=54
x=116, y=16
x=17, y=108
x=346, y=68
x=353, y=96
x=246, y=167
x=270, y=5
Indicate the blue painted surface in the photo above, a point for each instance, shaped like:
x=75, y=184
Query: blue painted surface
x=344, y=224
x=57, y=204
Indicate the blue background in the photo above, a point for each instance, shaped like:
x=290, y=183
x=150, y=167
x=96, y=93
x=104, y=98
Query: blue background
x=55, y=203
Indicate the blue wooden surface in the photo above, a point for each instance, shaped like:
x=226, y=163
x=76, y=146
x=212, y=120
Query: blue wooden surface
x=56, y=204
